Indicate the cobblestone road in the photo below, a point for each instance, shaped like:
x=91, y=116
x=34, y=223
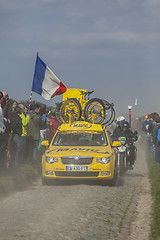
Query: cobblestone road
x=73, y=211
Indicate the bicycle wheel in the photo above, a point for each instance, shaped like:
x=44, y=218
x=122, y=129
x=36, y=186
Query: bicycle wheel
x=109, y=113
x=94, y=111
x=70, y=110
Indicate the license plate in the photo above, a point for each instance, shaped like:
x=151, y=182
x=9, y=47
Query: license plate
x=78, y=168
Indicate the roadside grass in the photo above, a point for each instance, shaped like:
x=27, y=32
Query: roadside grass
x=154, y=173
x=19, y=177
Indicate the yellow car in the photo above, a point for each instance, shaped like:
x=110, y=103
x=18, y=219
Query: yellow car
x=80, y=150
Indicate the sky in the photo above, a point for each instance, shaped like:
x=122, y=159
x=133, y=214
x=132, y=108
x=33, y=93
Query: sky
x=109, y=46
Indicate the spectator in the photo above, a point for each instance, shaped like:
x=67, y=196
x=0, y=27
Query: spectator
x=25, y=110
x=7, y=113
x=156, y=144
x=1, y=114
x=146, y=128
x=16, y=126
x=2, y=129
x=14, y=105
x=43, y=111
x=33, y=131
x=52, y=126
x=7, y=108
x=25, y=121
x=153, y=117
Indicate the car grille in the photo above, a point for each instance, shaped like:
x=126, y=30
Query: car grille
x=76, y=160
x=76, y=174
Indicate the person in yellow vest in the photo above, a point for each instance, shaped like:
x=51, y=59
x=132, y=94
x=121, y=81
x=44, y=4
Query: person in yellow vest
x=25, y=121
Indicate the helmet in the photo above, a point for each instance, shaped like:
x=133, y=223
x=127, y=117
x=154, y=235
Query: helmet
x=120, y=119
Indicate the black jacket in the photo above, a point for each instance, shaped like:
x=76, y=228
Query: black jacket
x=155, y=131
x=16, y=124
x=118, y=132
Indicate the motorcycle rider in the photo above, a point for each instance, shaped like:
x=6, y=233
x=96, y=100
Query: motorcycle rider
x=131, y=137
x=128, y=133
x=118, y=130
x=124, y=130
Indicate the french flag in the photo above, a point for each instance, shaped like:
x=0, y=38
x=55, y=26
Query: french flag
x=45, y=82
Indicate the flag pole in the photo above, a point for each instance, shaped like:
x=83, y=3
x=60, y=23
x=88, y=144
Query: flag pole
x=30, y=99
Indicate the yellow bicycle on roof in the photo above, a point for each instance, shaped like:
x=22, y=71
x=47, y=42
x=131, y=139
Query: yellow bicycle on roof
x=77, y=105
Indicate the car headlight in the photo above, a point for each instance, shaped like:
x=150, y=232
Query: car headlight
x=51, y=159
x=103, y=160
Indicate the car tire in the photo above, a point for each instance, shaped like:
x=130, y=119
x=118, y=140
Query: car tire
x=45, y=181
x=113, y=181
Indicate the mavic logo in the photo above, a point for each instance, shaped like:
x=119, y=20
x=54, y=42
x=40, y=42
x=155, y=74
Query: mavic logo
x=81, y=125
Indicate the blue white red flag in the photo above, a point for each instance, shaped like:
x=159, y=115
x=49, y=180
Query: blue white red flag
x=45, y=82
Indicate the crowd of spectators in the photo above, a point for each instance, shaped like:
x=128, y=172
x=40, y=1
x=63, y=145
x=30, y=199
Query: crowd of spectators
x=150, y=127
x=20, y=131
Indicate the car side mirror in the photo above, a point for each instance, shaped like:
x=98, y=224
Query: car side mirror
x=45, y=143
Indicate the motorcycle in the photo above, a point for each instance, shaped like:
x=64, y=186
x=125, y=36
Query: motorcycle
x=122, y=156
x=131, y=150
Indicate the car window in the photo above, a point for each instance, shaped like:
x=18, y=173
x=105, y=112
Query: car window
x=80, y=139
x=110, y=140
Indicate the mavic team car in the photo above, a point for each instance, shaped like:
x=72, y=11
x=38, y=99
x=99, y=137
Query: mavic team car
x=80, y=150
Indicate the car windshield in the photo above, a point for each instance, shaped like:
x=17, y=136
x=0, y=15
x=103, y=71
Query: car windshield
x=80, y=139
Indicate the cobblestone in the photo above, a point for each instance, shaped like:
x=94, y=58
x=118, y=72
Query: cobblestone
x=73, y=211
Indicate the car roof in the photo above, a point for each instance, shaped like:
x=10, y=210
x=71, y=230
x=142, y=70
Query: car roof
x=81, y=126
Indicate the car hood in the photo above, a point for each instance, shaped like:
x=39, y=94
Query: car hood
x=77, y=150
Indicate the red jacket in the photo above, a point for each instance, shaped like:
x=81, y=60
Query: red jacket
x=54, y=126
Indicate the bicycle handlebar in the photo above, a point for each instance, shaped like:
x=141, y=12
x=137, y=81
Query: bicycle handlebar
x=89, y=93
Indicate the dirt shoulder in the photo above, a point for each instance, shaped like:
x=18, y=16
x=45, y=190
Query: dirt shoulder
x=140, y=228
